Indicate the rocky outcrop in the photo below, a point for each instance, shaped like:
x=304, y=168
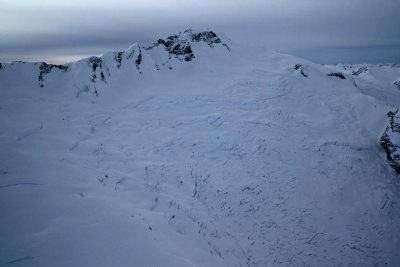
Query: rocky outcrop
x=301, y=69
x=118, y=58
x=180, y=46
x=208, y=37
x=180, y=49
x=390, y=140
x=397, y=83
x=360, y=71
x=46, y=69
x=337, y=74
x=96, y=63
x=139, y=58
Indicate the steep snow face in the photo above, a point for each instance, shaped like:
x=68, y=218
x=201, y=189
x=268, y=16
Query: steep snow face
x=237, y=157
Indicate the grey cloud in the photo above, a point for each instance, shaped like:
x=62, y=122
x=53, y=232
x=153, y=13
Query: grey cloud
x=286, y=25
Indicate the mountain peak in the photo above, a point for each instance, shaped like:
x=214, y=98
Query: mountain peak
x=180, y=46
x=137, y=58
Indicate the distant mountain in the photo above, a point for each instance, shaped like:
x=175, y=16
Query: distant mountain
x=196, y=151
x=162, y=54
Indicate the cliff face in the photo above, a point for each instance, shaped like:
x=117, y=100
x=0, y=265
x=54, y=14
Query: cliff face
x=390, y=140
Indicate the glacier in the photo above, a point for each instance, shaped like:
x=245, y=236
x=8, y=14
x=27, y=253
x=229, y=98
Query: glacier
x=196, y=151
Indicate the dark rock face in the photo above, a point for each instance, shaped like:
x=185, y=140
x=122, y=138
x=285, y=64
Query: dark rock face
x=118, y=58
x=397, y=84
x=209, y=37
x=180, y=49
x=46, y=69
x=180, y=46
x=169, y=42
x=138, y=59
x=360, y=71
x=96, y=63
x=300, y=68
x=337, y=74
x=390, y=140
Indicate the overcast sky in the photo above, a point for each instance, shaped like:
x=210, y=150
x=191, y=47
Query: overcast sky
x=326, y=31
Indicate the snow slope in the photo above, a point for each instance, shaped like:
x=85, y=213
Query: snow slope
x=215, y=155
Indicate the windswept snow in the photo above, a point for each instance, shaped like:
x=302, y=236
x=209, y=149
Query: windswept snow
x=234, y=158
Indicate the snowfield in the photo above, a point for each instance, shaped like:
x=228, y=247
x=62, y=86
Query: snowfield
x=194, y=151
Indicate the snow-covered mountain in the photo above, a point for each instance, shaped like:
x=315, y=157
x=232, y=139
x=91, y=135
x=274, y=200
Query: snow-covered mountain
x=136, y=60
x=195, y=151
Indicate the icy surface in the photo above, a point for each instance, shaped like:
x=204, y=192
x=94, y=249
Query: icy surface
x=234, y=158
